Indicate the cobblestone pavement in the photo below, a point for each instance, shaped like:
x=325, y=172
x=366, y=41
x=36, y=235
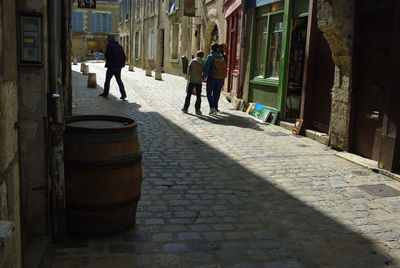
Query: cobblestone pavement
x=228, y=191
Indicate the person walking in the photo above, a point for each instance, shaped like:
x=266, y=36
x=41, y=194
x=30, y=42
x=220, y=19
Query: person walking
x=195, y=79
x=215, y=73
x=115, y=61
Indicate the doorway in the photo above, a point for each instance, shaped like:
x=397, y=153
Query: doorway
x=373, y=61
x=296, y=68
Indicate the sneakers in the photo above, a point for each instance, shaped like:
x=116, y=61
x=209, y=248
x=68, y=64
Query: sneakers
x=212, y=111
x=198, y=112
x=123, y=97
x=184, y=110
x=103, y=95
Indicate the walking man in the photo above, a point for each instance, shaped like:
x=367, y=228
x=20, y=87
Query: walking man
x=195, y=80
x=215, y=73
x=115, y=61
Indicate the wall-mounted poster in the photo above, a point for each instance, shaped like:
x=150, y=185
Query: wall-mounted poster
x=86, y=3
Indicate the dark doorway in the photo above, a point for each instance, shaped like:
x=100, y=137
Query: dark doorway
x=372, y=78
x=162, y=33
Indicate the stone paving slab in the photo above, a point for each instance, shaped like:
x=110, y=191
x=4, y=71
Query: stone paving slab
x=228, y=191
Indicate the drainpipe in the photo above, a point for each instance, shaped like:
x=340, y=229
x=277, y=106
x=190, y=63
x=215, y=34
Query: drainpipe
x=243, y=54
x=56, y=121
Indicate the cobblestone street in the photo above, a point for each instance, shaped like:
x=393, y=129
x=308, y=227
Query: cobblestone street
x=228, y=191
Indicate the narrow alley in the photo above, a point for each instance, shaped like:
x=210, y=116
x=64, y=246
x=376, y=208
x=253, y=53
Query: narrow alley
x=228, y=191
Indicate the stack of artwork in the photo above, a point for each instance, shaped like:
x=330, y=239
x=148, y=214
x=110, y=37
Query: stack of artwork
x=264, y=113
x=259, y=111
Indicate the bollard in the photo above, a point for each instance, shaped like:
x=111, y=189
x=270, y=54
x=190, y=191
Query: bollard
x=91, y=82
x=82, y=66
x=86, y=70
x=148, y=72
x=75, y=61
x=158, y=74
x=131, y=68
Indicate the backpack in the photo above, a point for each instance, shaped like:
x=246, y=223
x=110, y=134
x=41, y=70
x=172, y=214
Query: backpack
x=220, y=68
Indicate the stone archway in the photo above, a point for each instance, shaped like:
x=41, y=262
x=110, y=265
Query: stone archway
x=336, y=21
x=212, y=34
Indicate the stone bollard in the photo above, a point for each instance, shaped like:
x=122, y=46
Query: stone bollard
x=75, y=61
x=131, y=68
x=86, y=70
x=158, y=74
x=91, y=82
x=148, y=72
x=82, y=66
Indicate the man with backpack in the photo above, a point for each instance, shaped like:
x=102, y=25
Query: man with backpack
x=215, y=73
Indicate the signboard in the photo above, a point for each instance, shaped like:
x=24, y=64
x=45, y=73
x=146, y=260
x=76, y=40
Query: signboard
x=86, y=3
x=258, y=3
x=189, y=8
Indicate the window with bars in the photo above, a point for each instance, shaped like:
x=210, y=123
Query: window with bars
x=151, y=7
x=78, y=21
x=101, y=22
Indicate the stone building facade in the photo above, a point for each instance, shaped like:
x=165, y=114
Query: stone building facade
x=34, y=83
x=90, y=28
x=162, y=31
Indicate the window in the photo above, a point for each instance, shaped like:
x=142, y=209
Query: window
x=77, y=21
x=151, y=7
x=127, y=9
x=137, y=45
x=276, y=30
x=173, y=5
x=175, y=40
x=101, y=22
x=261, y=41
x=137, y=8
x=151, y=44
x=268, y=45
x=121, y=10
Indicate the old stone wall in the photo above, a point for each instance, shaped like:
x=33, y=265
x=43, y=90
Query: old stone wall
x=336, y=21
x=10, y=231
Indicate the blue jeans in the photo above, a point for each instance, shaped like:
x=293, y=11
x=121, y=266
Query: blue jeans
x=214, y=87
x=113, y=71
x=189, y=91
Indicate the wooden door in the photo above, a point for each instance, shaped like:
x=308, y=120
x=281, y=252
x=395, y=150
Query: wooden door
x=372, y=79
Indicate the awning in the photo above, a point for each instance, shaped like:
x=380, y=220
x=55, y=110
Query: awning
x=231, y=6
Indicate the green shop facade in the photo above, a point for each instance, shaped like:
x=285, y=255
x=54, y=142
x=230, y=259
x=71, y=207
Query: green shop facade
x=286, y=50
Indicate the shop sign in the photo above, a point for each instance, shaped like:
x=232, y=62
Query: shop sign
x=86, y=3
x=258, y=3
x=189, y=8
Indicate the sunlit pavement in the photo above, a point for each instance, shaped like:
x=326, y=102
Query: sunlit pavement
x=228, y=191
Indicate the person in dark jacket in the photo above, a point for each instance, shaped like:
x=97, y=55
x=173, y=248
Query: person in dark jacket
x=115, y=61
x=215, y=73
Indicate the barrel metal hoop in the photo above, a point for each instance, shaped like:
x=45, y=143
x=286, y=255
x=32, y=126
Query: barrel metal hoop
x=101, y=137
x=104, y=163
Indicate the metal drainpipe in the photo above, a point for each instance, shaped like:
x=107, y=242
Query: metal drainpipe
x=57, y=126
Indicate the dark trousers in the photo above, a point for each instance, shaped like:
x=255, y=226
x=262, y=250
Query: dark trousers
x=214, y=87
x=189, y=92
x=113, y=71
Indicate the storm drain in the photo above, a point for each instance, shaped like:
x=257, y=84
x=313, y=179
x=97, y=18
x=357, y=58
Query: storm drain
x=381, y=190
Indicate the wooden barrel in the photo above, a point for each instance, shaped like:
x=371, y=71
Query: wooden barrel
x=103, y=173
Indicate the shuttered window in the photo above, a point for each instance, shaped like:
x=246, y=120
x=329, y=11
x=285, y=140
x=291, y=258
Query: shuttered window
x=77, y=21
x=101, y=22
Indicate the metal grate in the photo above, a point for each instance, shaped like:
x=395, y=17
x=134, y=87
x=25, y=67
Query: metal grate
x=380, y=190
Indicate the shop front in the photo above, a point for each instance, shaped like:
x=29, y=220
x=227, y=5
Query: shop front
x=285, y=35
x=233, y=16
